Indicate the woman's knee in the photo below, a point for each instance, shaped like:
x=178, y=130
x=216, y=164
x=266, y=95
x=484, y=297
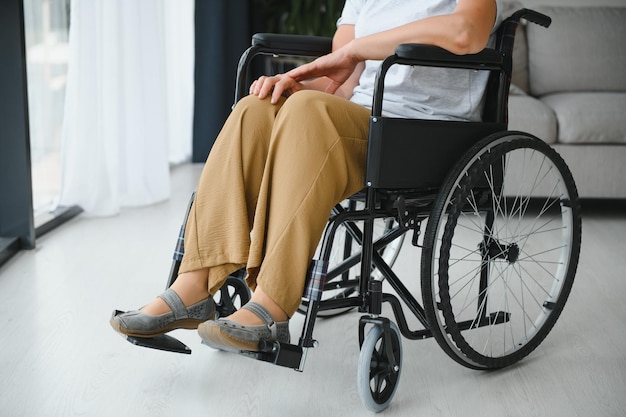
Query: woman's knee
x=252, y=119
x=252, y=104
x=316, y=112
x=307, y=103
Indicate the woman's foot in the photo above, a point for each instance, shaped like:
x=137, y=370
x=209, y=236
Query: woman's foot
x=191, y=287
x=184, y=305
x=260, y=319
x=137, y=323
x=247, y=317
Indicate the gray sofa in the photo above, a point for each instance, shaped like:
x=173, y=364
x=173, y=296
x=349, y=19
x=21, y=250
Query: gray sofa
x=569, y=89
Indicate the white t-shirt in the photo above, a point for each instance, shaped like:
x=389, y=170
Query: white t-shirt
x=413, y=91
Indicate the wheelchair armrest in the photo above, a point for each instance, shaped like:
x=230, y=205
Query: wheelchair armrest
x=298, y=45
x=430, y=55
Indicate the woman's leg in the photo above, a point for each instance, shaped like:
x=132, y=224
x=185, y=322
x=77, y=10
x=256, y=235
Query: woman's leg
x=217, y=235
x=316, y=158
x=313, y=158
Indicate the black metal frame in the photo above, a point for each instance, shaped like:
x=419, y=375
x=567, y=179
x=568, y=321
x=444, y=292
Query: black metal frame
x=404, y=191
x=388, y=188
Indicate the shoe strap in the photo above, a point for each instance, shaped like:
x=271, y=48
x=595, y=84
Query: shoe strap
x=262, y=313
x=175, y=303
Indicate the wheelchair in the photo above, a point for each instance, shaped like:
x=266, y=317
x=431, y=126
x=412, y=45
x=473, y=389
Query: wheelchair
x=494, y=213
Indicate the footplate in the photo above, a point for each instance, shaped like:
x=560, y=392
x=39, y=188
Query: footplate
x=281, y=354
x=162, y=342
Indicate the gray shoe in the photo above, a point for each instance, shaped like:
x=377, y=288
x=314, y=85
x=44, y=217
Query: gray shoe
x=224, y=334
x=138, y=324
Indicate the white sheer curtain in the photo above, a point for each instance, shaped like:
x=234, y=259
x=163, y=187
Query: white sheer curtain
x=129, y=102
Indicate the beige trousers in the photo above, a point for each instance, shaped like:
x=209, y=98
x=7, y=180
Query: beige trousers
x=268, y=187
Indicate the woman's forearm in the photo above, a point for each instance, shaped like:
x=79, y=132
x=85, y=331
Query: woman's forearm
x=343, y=36
x=345, y=91
x=464, y=31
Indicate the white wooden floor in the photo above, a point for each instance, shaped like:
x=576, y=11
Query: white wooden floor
x=59, y=357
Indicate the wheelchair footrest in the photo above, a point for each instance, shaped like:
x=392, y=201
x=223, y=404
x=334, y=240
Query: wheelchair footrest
x=282, y=354
x=163, y=342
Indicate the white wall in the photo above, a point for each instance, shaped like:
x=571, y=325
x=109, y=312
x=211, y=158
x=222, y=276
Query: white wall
x=534, y=3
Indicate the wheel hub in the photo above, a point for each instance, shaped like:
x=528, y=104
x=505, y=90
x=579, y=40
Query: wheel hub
x=512, y=253
x=498, y=250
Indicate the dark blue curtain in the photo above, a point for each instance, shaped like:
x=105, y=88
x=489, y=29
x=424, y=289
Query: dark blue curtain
x=223, y=30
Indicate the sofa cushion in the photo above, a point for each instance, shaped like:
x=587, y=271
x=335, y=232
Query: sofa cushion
x=530, y=115
x=599, y=170
x=583, y=50
x=589, y=117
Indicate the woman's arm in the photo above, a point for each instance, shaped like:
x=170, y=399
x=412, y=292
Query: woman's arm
x=343, y=36
x=465, y=30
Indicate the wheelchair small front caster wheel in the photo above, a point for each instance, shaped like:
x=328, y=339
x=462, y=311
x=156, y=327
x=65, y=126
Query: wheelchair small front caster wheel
x=233, y=294
x=379, y=367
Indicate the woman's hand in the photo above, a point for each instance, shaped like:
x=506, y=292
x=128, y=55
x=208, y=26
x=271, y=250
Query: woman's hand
x=276, y=85
x=326, y=73
x=337, y=67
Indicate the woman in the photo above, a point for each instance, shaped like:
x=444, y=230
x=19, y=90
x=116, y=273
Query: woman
x=294, y=148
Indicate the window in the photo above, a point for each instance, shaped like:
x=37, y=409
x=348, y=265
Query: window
x=46, y=26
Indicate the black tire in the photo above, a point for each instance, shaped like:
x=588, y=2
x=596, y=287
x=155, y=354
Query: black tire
x=377, y=379
x=232, y=295
x=498, y=265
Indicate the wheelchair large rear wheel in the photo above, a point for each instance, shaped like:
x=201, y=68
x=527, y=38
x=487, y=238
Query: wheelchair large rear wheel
x=501, y=251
